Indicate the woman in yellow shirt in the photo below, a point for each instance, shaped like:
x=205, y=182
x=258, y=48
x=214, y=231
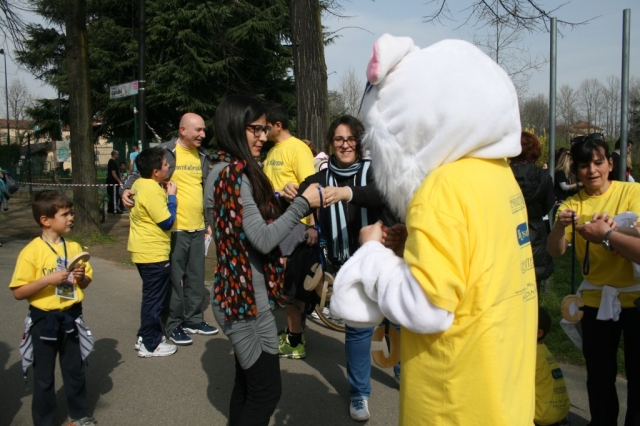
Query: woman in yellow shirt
x=609, y=288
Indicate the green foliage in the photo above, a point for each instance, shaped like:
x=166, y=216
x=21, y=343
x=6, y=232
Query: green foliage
x=197, y=54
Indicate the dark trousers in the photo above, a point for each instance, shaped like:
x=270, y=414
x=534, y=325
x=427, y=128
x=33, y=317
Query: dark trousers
x=114, y=199
x=155, y=285
x=600, y=347
x=187, y=279
x=43, y=408
x=256, y=392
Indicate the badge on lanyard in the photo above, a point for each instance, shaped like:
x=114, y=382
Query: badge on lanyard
x=68, y=289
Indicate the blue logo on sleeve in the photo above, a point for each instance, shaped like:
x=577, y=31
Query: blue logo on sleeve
x=523, y=234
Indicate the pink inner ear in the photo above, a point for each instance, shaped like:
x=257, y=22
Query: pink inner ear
x=373, y=69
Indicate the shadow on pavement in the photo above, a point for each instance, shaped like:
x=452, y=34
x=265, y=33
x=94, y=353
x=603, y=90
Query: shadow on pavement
x=13, y=388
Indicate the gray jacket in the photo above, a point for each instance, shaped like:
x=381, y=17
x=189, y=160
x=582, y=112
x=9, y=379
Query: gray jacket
x=170, y=148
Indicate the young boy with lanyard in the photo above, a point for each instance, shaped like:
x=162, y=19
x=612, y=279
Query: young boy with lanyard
x=152, y=217
x=54, y=324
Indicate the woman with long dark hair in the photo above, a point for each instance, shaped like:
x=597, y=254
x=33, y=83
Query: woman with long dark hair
x=351, y=201
x=247, y=225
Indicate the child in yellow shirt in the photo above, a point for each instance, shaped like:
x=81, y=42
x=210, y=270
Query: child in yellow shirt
x=54, y=324
x=552, y=399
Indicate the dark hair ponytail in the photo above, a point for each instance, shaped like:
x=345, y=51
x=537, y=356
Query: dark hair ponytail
x=230, y=122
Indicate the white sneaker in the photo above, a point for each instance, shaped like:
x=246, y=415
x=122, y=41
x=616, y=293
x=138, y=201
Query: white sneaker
x=138, y=343
x=163, y=349
x=359, y=410
x=325, y=313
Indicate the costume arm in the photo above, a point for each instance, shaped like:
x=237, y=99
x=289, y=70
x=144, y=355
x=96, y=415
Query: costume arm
x=264, y=236
x=387, y=280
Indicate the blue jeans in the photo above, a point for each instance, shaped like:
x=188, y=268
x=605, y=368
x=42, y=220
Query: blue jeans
x=155, y=285
x=357, y=345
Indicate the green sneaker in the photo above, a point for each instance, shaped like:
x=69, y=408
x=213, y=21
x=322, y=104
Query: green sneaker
x=282, y=336
x=285, y=350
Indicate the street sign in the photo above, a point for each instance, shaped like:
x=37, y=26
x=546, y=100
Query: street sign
x=62, y=151
x=123, y=90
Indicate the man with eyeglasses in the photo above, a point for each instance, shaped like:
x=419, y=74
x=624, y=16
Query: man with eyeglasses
x=189, y=165
x=615, y=156
x=287, y=165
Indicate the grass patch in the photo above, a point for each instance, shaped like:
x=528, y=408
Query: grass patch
x=92, y=239
x=550, y=298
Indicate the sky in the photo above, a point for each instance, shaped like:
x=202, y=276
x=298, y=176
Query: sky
x=589, y=51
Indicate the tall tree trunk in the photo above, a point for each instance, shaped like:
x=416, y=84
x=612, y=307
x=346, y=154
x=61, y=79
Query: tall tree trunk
x=82, y=149
x=309, y=70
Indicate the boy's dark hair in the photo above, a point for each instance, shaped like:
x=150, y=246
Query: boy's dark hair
x=544, y=322
x=149, y=160
x=47, y=203
x=275, y=113
x=122, y=162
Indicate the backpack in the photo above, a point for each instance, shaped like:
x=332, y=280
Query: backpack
x=12, y=184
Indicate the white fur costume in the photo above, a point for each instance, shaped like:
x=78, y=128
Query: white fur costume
x=430, y=113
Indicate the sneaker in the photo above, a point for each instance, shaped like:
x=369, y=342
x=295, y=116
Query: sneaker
x=202, y=328
x=138, y=343
x=285, y=350
x=179, y=337
x=282, y=336
x=163, y=349
x=325, y=313
x=359, y=410
x=85, y=421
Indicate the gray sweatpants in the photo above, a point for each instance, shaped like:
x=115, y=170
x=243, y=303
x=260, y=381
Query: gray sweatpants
x=187, y=279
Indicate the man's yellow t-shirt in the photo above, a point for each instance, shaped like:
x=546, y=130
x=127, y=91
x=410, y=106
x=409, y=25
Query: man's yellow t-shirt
x=606, y=268
x=148, y=243
x=188, y=176
x=469, y=248
x=552, y=398
x=289, y=161
x=37, y=260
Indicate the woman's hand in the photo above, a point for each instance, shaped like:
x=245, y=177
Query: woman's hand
x=595, y=230
x=566, y=217
x=127, y=201
x=334, y=194
x=395, y=238
x=290, y=191
x=371, y=233
x=312, y=195
x=311, y=236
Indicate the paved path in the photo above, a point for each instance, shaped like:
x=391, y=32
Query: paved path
x=193, y=386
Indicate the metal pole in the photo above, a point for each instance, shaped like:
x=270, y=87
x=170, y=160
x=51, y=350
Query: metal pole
x=6, y=93
x=29, y=161
x=624, y=98
x=142, y=127
x=553, y=48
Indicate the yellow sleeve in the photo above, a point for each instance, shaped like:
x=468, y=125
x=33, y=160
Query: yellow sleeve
x=25, y=271
x=304, y=164
x=437, y=253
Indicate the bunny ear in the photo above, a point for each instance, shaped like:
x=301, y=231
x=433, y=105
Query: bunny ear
x=387, y=52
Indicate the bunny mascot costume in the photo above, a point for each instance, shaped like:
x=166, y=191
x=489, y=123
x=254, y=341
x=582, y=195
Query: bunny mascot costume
x=441, y=122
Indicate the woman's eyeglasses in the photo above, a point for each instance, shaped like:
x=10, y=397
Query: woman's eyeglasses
x=339, y=141
x=258, y=129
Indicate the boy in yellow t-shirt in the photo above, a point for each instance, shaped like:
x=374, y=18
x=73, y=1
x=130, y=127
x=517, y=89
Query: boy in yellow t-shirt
x=552, y=399
x=54, y=324
x=152, y=217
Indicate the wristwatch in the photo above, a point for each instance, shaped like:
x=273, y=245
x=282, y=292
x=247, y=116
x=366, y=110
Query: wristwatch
x=605, y=242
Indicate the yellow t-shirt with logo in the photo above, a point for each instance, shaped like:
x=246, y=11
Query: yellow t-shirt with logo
x=552, y=398
x=289, y=161
x=469, y=248
x=606, y=268
x=188, y=176
x=148, y=243
x=37, y=260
